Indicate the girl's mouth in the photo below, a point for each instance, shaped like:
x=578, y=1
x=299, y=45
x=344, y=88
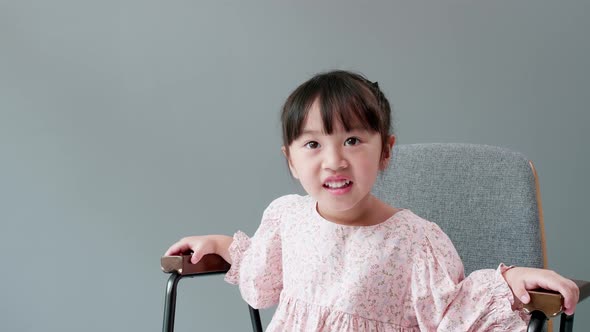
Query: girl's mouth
x=341, y=184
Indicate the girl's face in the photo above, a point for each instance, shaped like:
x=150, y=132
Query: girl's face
x=339, y=169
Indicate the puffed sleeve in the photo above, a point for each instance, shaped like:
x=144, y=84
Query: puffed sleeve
x=257, y=263
x=446, y=301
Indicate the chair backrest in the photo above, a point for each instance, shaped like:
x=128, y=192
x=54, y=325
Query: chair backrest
x=483, y=197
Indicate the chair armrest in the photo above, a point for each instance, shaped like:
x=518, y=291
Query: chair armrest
x=182, y=265
x=550, y=302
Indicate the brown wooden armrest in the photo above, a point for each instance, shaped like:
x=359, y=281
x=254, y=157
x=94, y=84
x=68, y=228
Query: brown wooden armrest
x=182, y=265
x=550, y=302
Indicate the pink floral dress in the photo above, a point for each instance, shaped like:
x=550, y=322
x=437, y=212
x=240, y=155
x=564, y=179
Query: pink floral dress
x=400, y=275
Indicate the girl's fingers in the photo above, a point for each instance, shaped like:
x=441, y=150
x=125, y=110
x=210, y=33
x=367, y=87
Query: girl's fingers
x=172, y=250
x=568, y=297
x=571, y=296
x=523, y=279
x=521, y=293
x=196, y=257
x=177, y=248
x=569, y=291
x=566, y=287
x=184, y=246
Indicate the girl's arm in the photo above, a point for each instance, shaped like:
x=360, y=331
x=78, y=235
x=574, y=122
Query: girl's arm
x=201, y=246
x=446, y=301
x=257, y=266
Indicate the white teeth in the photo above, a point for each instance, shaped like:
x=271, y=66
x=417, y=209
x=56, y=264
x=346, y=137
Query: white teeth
x=337, y=184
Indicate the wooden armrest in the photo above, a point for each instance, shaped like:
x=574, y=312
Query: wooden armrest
x=182, y=265
x=550, y=302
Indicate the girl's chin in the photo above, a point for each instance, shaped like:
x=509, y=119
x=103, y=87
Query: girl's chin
x=342, y=204
x=336, y=207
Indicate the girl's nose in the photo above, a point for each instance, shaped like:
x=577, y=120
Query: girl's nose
x=334, y=159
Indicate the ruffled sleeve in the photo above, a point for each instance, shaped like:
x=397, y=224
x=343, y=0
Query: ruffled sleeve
x=444, y=300
x=257, y=263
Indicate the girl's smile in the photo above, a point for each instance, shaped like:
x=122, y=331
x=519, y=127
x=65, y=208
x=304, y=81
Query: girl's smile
x=338, y=185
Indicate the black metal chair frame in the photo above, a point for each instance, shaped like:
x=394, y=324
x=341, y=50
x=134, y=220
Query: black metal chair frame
x=170, y=303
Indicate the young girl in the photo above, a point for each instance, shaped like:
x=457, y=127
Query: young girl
x=340, y=259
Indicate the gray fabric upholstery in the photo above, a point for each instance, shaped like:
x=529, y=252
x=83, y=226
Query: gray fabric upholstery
x=483, y=197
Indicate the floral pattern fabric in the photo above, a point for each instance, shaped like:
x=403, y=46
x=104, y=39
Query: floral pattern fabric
x=400, y=275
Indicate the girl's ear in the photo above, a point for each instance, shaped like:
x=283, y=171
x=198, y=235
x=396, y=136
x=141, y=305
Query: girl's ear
x=291, y=168
x=387, y=152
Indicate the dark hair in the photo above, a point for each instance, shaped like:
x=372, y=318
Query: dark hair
x=343, y=96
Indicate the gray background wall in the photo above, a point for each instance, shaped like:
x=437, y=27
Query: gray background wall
x=125, y=125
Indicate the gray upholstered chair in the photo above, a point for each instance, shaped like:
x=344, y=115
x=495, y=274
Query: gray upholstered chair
x=485, y=198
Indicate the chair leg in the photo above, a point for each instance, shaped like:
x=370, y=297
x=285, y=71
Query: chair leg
x=255, y=318
x=537, y=322
x=566, y=323
x=170, y=307
x=170, y=302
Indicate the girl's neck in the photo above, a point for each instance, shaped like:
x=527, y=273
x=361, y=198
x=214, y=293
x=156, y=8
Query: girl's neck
x=370, y=211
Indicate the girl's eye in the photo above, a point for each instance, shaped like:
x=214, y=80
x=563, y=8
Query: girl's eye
x=312, y=145
x=352, y=141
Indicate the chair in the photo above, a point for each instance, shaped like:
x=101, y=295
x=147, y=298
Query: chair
x=485, y=198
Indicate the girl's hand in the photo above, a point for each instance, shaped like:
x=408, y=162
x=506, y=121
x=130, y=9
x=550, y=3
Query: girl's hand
x=521, y=279
x=201, y=246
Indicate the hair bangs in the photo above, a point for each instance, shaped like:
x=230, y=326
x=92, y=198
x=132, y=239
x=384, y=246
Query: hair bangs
x=351, y=106
x=343, y=98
